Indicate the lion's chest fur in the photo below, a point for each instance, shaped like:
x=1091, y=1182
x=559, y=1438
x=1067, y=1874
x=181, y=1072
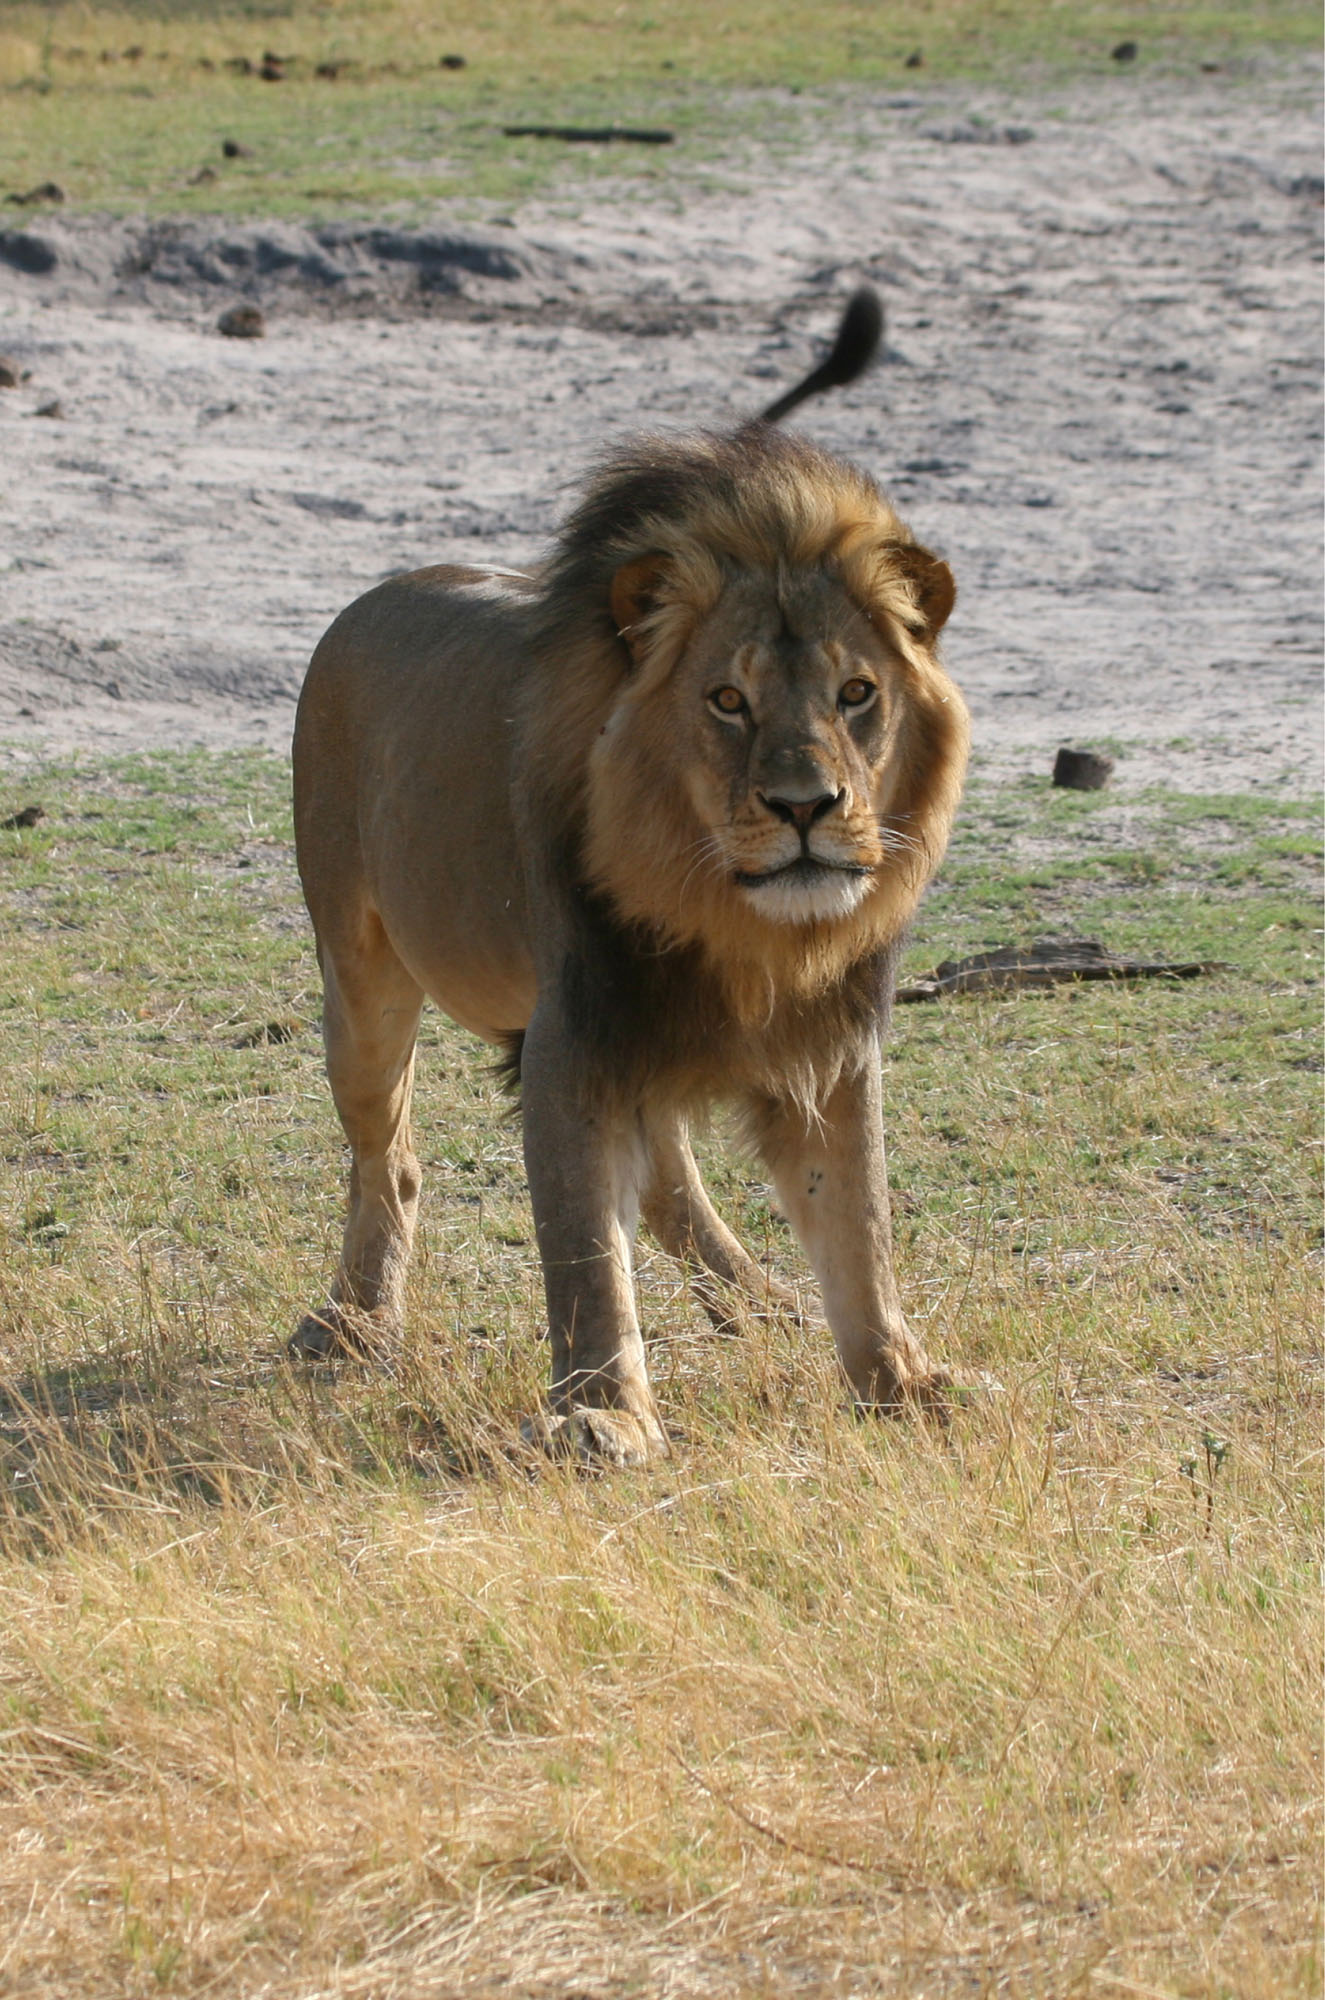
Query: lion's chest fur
x=666, y=1023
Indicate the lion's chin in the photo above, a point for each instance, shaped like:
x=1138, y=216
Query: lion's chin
x=806, y=892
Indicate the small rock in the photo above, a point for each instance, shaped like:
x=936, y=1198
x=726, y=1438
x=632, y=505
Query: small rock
x=1124, y=53
x=242, y=323
x=52, y=409
x=1082, y=770
x=26, y=816
x=234, y=151
x=916, y=60
x=453, y=62
x=12, y=372
x=47, y=191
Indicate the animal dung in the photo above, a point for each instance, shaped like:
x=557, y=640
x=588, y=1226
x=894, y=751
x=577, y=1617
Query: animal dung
x=242, y=323
x=47, y=191
x=1082, y=770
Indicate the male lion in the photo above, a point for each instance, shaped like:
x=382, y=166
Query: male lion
x=652, y=820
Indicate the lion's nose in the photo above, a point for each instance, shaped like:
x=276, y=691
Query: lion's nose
x=801, y=813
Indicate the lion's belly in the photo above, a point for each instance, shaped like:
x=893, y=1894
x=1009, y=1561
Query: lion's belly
x=472, y=963
x=446, y=883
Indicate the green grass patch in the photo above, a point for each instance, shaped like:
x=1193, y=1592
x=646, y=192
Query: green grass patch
x=125, y=107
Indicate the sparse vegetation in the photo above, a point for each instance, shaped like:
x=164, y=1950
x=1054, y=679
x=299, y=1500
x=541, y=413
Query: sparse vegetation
x=126, y=107
x=308, y=1685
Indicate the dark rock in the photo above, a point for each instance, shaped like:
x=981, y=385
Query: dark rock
x=915, y=60
x=234, y=151
x=1125, y=52
x=55, y=408
x=12, y=372
x=242, y=323
x=452, y=62
x=1082, y=770
x=27, y=252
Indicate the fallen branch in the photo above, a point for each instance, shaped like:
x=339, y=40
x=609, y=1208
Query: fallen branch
x=1050, y=961
x=601, y=135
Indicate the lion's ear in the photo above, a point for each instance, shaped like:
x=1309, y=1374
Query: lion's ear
x=633, y=596
x=932, y=581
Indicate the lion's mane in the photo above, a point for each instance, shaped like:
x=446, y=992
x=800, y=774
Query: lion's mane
x=754, y=500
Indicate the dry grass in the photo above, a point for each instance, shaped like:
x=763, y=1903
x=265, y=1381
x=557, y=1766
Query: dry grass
x=315, y=1686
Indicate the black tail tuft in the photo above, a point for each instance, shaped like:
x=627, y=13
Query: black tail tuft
x=857, y=343
x=506, y=1068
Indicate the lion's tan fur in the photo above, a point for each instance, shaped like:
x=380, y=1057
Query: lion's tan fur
x=519, y=796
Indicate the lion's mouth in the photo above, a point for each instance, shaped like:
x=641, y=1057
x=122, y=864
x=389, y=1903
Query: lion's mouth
x=806, y=871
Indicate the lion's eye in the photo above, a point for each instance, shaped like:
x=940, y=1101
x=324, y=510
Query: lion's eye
x=727, y=701
x=855, y=693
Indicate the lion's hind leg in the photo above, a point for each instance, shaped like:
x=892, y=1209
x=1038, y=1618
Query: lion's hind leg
x=684, y=1223
x=370, y=1024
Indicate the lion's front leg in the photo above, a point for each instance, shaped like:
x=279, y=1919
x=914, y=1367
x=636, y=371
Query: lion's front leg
x=584, y=1160
x=832, y=1181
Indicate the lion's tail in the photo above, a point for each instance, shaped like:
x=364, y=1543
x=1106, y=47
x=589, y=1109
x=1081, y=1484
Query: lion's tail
x=857, y=342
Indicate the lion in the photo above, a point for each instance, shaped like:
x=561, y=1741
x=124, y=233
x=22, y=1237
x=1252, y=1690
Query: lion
x=652, y=821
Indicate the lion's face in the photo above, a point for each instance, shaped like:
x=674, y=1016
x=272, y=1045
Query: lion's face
x=789, y=699
x=753, y=773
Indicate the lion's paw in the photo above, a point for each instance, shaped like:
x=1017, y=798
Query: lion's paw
x=615, y=1440
x=336, y=1333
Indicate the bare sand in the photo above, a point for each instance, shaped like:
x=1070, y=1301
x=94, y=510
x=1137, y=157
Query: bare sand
x=1100, y=400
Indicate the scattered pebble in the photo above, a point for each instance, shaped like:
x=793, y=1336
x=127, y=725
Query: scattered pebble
x=55, y=408
x=916, y=60
x=242, y=323
x=12, y=372
x=234, y=151
x=1125, y=52
x=453, y=62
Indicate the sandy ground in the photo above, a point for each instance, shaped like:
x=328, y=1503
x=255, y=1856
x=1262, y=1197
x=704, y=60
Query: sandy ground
x=1101, y=401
